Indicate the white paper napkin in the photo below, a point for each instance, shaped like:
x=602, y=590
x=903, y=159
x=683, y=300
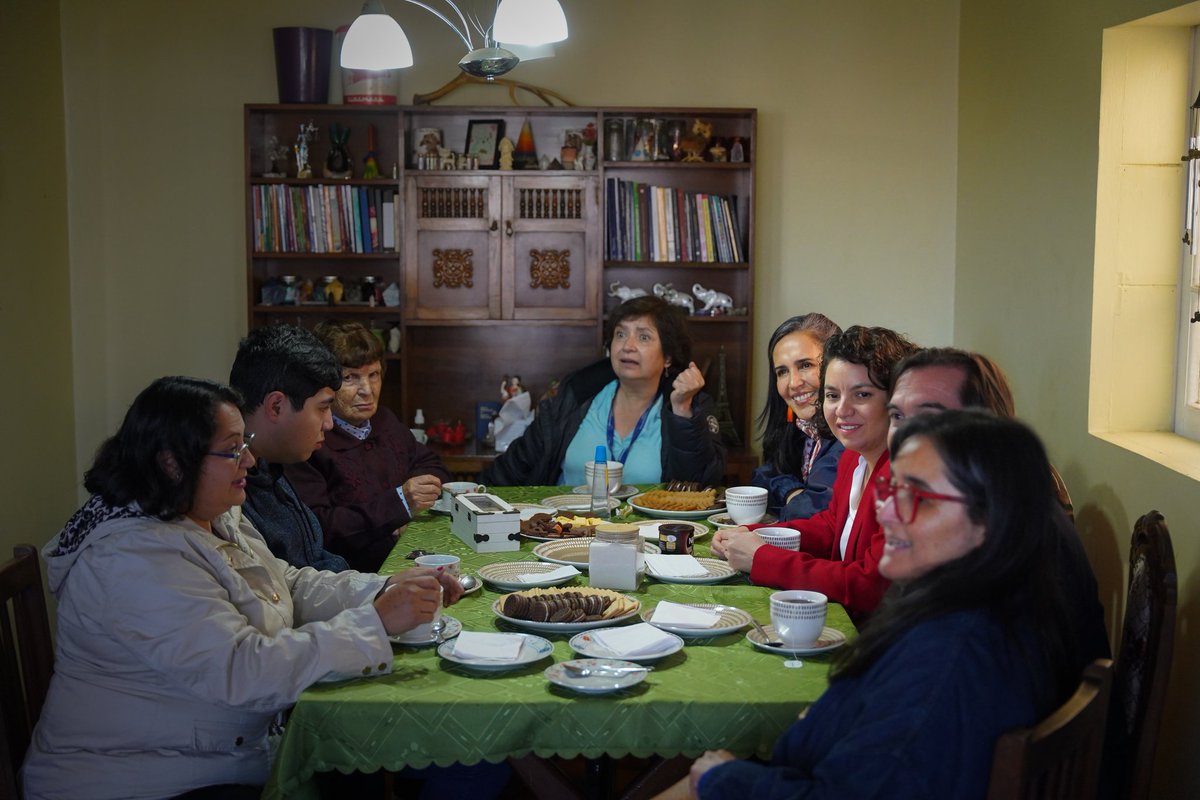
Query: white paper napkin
x=494, y=646
x=642, y=639
x=552, y=575
x=670, y=566
x=668, y=613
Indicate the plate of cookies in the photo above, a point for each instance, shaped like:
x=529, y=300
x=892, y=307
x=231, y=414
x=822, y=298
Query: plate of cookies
x=678, y=503
x=554, y=525
x=565, y=610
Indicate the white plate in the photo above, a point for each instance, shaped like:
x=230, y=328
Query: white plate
x=717, y=571
x=576, y=503
x=594, y=684
x=732, y=620
x=723, y=520
x=585, y=645
x=453, y=628
x=563, y=627
x=621, y=493
x=662, y=513
x=534, y=648
x=649, y=530
x=574, y=552
x=830, y=639
x=503, y=575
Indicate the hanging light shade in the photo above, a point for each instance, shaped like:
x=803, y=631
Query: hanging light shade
x=529, y=22
x=375, y=41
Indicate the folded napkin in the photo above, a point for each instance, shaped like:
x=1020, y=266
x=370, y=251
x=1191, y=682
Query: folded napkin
x=666, y=566
x=642, y=639
x=552, y=575
x=493, y=646
x=668, y=613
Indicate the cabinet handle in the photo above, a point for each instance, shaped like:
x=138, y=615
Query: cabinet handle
x=508, y=227
x=494, y=226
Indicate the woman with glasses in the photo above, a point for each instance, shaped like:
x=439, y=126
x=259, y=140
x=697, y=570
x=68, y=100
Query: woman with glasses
x=841, y=545
x=800, y=453
x=180, y=636
x=973, y=639
x=372, y=476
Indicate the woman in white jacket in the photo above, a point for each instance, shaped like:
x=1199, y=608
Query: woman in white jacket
x=180, y=637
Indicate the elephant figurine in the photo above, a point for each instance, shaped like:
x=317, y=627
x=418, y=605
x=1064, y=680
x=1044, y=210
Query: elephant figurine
x=675, y=297
x=714, y=302
x=622, y=292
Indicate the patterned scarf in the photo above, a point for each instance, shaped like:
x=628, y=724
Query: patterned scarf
x=94, y=512
x=812, y=445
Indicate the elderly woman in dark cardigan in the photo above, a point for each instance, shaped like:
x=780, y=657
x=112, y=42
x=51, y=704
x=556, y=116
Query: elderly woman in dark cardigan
x=372, y=476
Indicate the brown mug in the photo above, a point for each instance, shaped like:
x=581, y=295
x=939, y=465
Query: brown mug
x=675, y=538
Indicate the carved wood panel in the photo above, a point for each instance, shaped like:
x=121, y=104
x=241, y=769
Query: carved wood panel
x=453, y=268
x=550, y=269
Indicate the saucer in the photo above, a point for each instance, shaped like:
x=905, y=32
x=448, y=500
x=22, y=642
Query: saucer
x=595, y=684
x=453, y=628
x=830, y=639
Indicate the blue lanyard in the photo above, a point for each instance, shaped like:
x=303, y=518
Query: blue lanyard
x=637, y=429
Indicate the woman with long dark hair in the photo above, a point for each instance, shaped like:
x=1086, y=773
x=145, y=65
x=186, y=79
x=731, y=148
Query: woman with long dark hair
x=973, y=638
x=800, y=454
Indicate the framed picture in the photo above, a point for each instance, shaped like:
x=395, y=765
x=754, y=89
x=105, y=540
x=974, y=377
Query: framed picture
x=483, y=135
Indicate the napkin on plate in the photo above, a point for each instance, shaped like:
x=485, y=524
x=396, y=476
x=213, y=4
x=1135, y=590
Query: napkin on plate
x=666, y=566
x=668, y=613
x=552, y=575
x=642, y=639
x=493, y=646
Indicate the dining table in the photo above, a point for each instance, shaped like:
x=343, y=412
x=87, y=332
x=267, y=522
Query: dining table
x=716, y=692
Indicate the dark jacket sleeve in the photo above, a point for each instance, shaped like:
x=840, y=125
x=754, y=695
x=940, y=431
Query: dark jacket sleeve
x=692, y=446
x=818, y=491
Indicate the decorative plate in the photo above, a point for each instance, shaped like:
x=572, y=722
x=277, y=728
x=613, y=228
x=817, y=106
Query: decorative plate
x=723, y=520
x=585, y=645
x=732, y=619
x=717, y=571
x=594, y=684
x=649, y=530
x=662, y=513
x=576, y=503
x=565, y=627
x=574, y=552
x=535, y=648
x=830, y=639
x=505, y=575
x=622, y=492
x=453, y=628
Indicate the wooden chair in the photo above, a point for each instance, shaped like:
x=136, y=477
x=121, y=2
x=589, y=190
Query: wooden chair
x=1059, y=758
x=1144, y=659
x=26, y=661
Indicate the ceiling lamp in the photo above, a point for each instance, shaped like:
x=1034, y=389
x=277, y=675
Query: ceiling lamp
x=375, y=41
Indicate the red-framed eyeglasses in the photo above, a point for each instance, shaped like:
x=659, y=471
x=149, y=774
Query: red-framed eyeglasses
x=907, y=497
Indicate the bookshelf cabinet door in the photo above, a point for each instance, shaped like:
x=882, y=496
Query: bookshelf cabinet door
x=452, y=248
x=551, y=248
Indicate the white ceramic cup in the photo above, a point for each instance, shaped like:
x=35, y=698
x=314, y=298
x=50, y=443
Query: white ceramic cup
x=423, y=632
x=616, y=471
x=798, y=616
x=746, y=504
x=446, y=501
x=786, y=538
x=441, y=563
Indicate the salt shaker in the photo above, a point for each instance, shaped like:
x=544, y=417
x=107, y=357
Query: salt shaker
x=600, y=505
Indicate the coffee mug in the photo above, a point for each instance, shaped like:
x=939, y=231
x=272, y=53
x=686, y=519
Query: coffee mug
x=746, y=505
x=785, y=538
x=798, y=616
x=441, y=563
x=616, y=471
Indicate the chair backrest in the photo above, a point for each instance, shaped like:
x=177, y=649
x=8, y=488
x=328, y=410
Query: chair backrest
x=26, y=660
x=1059, y=758
x=1144, y=660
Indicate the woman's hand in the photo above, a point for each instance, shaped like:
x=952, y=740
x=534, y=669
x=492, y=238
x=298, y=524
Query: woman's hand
x=703, y=764
x=737, y=546
x=409, y=599
x=422, y=491
x=685, y=387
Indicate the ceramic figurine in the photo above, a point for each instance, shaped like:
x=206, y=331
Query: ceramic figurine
x=308, y=134
x=338, y=164
x=622, y=292
x=277, y=154
x=370, y=166
x=714, y=302
x=393, y=344
x=675, y=297
x=506, y=153
x=391, y=295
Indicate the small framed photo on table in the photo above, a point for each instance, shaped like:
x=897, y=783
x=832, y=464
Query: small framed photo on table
x=483, y=136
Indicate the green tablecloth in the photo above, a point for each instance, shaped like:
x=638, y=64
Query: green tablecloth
x=718, y=692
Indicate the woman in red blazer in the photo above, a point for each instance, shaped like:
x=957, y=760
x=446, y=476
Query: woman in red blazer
x=840, y=547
